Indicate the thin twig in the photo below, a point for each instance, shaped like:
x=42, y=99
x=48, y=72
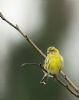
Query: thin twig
x=25, y=36
x=69, y=82
x=42, y=54
x=29, y=64
x=67, y=87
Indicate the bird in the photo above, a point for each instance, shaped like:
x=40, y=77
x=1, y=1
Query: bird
x=53, y=63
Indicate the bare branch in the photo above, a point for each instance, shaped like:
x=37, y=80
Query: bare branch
x=70, y=82
x=44, y=56
x=68, y=88
x=25, y=36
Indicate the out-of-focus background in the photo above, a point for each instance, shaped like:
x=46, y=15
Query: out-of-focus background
x=47, y=23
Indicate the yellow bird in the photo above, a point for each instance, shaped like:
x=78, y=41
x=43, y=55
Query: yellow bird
x=53, y=63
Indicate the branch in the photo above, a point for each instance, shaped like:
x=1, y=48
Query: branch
x=44, y=56
x=68, y=88
x=25, y=36
x=69, y=82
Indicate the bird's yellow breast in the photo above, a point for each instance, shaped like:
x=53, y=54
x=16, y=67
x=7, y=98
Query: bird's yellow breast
x=54, y=64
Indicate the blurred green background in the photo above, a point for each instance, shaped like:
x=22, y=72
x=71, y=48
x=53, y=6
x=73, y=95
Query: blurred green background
x=46, y=22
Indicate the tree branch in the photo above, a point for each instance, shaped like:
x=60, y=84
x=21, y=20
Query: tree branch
x=68, y=88
x=25, y=36
x=76, y=93
x=69, y=81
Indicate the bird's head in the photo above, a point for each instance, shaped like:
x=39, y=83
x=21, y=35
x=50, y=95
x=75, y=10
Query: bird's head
x=52, y=50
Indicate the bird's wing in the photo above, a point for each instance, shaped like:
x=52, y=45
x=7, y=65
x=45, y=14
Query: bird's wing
x=62, y=61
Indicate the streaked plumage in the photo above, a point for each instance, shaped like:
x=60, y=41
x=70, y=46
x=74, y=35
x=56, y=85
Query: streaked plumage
x=53, y=62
